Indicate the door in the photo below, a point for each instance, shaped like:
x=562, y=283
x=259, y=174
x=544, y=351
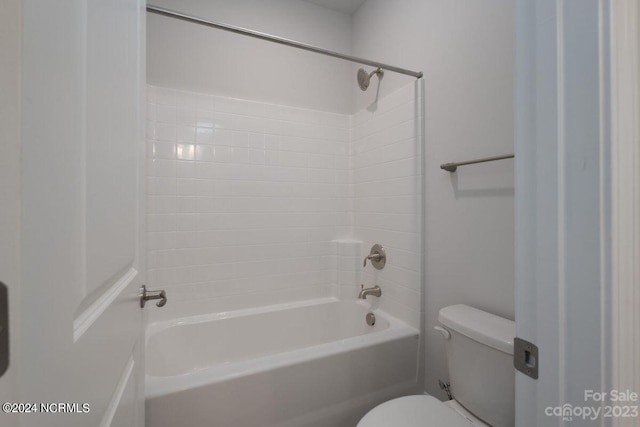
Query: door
x=81, y=233
x=9, y=187
x=577, y=196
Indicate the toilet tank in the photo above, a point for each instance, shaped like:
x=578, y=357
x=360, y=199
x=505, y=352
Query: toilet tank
x=480, y=362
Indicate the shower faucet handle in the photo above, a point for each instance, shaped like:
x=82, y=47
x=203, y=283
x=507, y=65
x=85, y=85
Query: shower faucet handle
x=377, y=256
x=374, y=257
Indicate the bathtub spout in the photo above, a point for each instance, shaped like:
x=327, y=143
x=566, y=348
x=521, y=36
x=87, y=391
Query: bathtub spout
x=375, y=291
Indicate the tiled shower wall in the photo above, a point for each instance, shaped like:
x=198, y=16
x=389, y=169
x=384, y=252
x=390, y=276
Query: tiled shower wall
x=252, y=203
x=388, y=197
x=244, y=198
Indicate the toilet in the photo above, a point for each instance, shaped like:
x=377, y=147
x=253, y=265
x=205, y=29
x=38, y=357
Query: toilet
x=479, y=348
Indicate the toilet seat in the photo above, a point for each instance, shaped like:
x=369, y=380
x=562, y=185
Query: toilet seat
x=417, y=411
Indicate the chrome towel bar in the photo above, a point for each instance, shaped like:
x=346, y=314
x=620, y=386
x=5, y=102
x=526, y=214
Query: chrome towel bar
x=452, y=167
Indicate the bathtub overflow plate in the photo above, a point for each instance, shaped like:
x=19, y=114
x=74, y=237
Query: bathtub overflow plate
x=371, y=319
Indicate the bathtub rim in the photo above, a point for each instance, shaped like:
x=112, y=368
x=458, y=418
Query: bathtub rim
x=158, y=386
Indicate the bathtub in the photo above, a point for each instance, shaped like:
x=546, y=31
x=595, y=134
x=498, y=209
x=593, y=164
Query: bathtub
x=309, y=364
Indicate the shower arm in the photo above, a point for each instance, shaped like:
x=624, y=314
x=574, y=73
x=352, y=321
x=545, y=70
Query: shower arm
x=377, y=71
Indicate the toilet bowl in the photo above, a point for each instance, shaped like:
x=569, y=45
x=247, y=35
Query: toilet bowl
x=420, y=411
x=479, y=348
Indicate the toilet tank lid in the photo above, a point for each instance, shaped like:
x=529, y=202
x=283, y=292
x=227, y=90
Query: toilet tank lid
x=486, y=328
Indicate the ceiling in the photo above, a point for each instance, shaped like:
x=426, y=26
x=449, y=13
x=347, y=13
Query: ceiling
x=344, y=6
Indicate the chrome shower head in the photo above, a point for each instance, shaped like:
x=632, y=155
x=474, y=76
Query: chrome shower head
x=364, y=78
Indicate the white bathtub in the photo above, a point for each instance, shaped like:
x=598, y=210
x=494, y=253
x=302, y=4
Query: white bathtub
x=315, y=363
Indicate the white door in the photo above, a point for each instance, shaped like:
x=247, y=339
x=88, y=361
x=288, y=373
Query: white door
x=571, y=209
x=81, y=238
x=9, y=185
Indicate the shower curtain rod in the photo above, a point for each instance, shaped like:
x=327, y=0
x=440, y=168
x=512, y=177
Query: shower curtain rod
x=275, y=39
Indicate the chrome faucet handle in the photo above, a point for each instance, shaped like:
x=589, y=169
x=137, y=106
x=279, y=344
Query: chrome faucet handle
x=377, y=257
x=151, y=295
x=374, y=257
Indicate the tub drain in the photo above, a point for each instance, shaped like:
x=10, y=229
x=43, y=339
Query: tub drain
x=371, y=319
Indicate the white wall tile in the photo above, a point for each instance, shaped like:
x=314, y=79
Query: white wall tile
x=246, y=198
x=387, y=199
x=232, y=205
x=186, y=133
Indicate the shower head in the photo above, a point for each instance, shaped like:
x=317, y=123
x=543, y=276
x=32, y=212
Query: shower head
x=364, y=78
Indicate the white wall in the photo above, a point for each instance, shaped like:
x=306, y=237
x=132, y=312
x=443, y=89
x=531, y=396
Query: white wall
x=186, y=56
x=465, y=49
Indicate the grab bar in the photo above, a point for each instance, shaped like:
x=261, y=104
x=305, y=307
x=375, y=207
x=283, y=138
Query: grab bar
x=452, y=167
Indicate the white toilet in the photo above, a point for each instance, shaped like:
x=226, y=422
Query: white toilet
x=479, y=349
